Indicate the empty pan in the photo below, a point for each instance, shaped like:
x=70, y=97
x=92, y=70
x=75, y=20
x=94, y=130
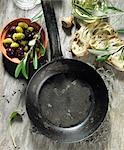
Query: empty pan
x=67, y=99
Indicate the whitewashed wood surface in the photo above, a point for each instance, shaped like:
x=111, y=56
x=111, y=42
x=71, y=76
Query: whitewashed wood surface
x=110, y=136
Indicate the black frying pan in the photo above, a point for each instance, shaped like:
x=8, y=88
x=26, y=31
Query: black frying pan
x=67, y=99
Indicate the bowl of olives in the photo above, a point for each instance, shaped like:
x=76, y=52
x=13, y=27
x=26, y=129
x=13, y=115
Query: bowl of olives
x=16, y=36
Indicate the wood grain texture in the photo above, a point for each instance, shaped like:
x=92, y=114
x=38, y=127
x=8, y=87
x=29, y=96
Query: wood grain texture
x=12, y=94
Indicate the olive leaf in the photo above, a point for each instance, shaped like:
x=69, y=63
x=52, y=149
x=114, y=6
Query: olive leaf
x=27, y=67
x=122, y=54
x=42, y=50
x=24, y=67
x=82, y=9
x=114, y=8
x=14, y=115
x=111, y=6
x=35, y=61
x=102, y=58
x=91, y=10
x=102, y=49
x=120, y=30
x=37, y=16
x=18, y=69
x=24, y=64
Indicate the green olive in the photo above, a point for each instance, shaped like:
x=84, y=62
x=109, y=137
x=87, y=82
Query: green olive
x=23, y=25
x=30, y=29
x=18, y=36
x=23, y=43
x=7, y=41
x=26, y=48
x=19, y=29
x=25, y=53
x=14, y=45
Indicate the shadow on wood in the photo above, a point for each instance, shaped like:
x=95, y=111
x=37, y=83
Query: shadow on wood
x=57, y=3
x=98, y=141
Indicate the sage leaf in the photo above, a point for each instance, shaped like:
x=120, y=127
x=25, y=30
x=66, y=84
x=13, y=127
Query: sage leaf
x=18, y=69
x=42, y=50
x=35, y=61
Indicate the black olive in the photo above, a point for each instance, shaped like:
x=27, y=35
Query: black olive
x=13, y=29
x=6, y=45
x=19, y=53
x=10, y=52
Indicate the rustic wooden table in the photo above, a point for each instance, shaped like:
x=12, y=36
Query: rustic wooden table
x=12, y=93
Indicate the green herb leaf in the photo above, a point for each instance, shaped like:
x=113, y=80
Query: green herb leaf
x=24, y=67
x=88, y=19
x=93, y=9
x=37, y=16
x=35, y=61
x=27, y=67
x=83, y=10
x=42, y=50
x=114, y=8
x=120, y=30
x=102, y=58
x=102, y=49
x=18, y=69
x=122, y=54
x=98, y=52
x=13, y=116
x=104, y=6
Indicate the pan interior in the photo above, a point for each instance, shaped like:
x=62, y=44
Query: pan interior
x=66, y=100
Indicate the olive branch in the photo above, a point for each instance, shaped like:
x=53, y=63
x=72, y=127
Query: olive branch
x=92, y=10
x=23, y=66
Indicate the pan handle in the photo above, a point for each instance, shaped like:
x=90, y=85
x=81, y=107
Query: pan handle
x=52, y=28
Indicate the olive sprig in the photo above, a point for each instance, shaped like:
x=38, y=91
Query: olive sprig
x=12, y=118
x=102, y=58
x=37, y=16
x=23, y=66
x=91, y=10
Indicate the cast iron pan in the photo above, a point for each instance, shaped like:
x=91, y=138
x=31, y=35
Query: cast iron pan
x=67, y=99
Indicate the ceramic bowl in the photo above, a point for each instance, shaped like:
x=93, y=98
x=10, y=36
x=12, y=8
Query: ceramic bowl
x=14, y=23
